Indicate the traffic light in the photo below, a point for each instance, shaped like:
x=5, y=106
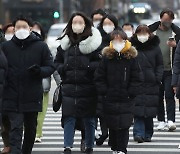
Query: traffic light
x=56, y=14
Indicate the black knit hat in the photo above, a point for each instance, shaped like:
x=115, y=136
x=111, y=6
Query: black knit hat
x=98, y=11
x=110, y=17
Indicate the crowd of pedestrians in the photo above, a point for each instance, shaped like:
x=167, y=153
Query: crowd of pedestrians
x=114, y=75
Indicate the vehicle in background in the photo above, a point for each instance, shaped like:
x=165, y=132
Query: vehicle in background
x=138, y=12
x=54, y=33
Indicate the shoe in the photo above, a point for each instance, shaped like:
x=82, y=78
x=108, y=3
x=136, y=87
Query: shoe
x=120, y=152
x=147, y=139
x=179, y=146
x=114, y=152
x=6, y=150
x=89, y=151
x=38, y=139
x=138, y=139
x=67, y=151
x=171, y=125
x=97, y=135
x=161, y=125
x=101, y=140
x=109, y=143
x=82, y=146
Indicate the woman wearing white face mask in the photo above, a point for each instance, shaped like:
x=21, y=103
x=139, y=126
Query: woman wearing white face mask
x=117, y=79
x=146, y=103
x=107, y=25
x=76, y=65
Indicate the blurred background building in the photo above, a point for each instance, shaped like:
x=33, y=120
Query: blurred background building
x=48, y=12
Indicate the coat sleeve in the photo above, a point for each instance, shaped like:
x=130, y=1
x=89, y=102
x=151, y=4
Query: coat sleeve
x=159, y=65
x=47, y=65
x=59, y=61
x=136, y=78
x=94, y=60
x=176, y=67
x=101, y=78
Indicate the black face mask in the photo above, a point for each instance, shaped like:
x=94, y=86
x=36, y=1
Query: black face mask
x=166, y=24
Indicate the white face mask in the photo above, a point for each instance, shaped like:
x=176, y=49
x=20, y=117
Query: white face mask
x=8, y=36
x=143, y=38
x=37, y=31
x=22, y=34
x=77, y=28
x=96, y=23
x=118, y=46
x=108, y=29
x=128, y=33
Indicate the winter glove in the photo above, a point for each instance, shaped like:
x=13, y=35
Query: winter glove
x=34, y=70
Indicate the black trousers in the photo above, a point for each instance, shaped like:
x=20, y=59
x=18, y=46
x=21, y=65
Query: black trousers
x=6, y=127
x=17, y=120
x=167, y=91
x=119, y=139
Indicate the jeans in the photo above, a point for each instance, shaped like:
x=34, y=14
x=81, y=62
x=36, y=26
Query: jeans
x=119, y=139
x=69, y=126
x=169, y=97
x=143, y=127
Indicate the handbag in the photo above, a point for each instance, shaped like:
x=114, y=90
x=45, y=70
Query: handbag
x=57, y=98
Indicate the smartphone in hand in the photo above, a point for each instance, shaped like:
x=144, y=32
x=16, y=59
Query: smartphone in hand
x=171, y=38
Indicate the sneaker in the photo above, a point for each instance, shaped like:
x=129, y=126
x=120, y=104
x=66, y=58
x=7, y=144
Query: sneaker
x=97, y=135
x=171, y=125
x=82, y=146
x=38, y=139
x=6, y=150
x=138, y=139
x=179, y=146
x=67, y=151
x=89, y=151
x=161, y=125
x=120, y=152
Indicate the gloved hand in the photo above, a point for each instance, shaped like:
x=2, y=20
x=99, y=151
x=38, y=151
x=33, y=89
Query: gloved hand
x=34, y=69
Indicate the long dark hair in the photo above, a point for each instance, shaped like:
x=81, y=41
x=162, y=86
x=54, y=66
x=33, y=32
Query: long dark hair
x=76, y=38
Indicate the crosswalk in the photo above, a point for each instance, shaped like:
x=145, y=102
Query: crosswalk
x=163, y=142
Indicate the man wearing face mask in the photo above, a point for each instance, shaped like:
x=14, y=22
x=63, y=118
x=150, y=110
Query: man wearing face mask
x=97, y=16
x=166, y=29
x=128, y=29
x=29, y=60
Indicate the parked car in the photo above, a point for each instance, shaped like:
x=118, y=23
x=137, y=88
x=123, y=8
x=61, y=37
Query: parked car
x=54, y=33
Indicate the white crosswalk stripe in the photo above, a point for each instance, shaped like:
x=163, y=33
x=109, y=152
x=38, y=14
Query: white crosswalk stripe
x=52, y=141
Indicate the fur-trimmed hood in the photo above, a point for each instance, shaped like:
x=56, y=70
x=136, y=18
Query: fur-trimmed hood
x=86, y=46
x=150, y=44
x=110, y=53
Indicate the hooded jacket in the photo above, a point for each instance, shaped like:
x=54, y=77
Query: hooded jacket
x=151, y=62
x=117, y=79
x=75, y=64
x=23, y=90
x=176, y=30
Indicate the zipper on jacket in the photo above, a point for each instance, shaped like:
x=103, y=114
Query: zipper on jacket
x=75, y=73
x=125, y=73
